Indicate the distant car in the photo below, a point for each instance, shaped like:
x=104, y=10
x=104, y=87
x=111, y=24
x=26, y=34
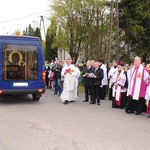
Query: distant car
x=21, y=66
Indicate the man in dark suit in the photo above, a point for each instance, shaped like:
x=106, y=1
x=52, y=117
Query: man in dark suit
x=97, y=82
x=88, y=81
x=57, y=68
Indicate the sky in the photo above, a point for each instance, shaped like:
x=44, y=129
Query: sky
x=18, y=14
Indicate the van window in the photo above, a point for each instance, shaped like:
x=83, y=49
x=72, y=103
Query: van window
x=20, y=62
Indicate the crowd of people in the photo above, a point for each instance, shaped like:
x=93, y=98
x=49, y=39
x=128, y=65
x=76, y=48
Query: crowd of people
x=127, y=86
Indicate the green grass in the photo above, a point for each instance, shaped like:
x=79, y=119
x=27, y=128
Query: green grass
x=81, y=88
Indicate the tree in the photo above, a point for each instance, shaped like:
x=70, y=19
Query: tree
x=135, y=20
x=29, y=31
x=50, y=45
x=82, y=23
x=38, y=33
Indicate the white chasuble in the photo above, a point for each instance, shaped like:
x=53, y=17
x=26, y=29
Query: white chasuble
x=70, y=74
x=134, y=87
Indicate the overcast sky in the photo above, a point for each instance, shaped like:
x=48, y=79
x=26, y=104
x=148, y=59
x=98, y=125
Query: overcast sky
x=14, y=9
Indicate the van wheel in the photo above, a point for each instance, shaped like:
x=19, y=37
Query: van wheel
x=36, y=97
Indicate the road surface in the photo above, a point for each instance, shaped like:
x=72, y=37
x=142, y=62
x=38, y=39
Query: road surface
x=51, y=125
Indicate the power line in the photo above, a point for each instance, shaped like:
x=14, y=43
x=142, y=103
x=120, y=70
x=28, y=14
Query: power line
x=22, y=17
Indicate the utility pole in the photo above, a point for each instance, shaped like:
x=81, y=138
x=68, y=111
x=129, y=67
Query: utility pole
x=42, y=20
x=114, y=15
x=110, y=30
x=117, y=30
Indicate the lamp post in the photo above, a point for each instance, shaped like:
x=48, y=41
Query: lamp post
x=6, y=30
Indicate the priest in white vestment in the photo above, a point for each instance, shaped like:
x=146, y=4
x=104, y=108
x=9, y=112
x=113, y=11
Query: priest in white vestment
x=137, y=88
x=70, y=73
x=110, y=77
x=119, y=81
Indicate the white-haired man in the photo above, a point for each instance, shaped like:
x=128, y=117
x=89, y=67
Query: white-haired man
x=88, y=82
x=137, y=88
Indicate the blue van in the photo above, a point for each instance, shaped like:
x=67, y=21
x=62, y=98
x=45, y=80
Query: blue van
x=22, y=68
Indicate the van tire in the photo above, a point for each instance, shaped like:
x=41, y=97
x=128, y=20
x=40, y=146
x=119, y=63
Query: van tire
x=36, y=97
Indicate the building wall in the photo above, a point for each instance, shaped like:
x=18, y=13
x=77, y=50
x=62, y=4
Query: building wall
x=63, y=55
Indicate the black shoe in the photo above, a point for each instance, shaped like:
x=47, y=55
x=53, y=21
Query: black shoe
x=54, y=94
x=92, y=103
x=72, y=101
x=137, y=113
x=65, y=102
x=85, y=101
x=130, y=112
x=114, y=106
x=121, y=107
x=98, y=101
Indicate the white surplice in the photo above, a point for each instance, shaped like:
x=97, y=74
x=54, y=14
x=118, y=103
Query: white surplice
x=120, y=79
x=105, y=79
x=70, y=83
x=110, y=75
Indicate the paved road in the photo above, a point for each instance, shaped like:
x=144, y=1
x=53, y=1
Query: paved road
x=51, y=125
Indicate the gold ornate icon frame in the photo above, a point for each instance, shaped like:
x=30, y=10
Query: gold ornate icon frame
x=13, y=52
